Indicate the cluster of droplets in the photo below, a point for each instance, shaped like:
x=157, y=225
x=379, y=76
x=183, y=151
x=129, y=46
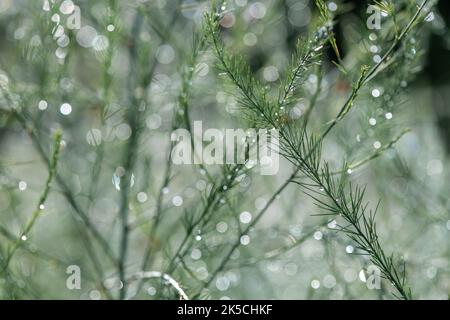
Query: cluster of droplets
x=328, y=281
x=322, y=34
x=374, y=48
x=66, y=8
x=86, y=36
x=386, y=99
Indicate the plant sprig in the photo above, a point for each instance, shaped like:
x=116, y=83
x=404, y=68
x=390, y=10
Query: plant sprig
x=335, y=196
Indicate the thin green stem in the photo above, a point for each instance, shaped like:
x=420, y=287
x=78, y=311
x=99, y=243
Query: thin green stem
x=42, y=199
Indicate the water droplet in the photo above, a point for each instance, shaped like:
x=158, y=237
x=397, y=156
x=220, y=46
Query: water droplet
x=67, y=7
x=245, y=217
x=41, y=207
x=270, y=73
x=86, y=36
x=372, y=121
x=177, y=201
x=260, y=203
x=376, y=93
x=222, y=227
x=388, y=116
x=46, y=6
x=377, y=58
x=349, y=249
x=22, y=185
x=318, y=235
x=60, y=53
x=56, y=18
x=63, y=41
x=58, y=31
x=151, y=291
x=165, y=54
x=142, y=197
x=250, y=39
x=24, y=238
x=196, y=254
x=315, y=284
x=95, y=295
x=123, y=131
x=245, y=240
x=257, y=10
x=362, y=276
x=65, y=109
x=377, y=144
x=110, y=28
x=19, y=34
x=329, y=281
x=332, y=6
x=153, y=121
x=332, y=224
x=222, y=283
x=198, y=237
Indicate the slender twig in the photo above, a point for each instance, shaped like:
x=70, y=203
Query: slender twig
x=42, y=199
x=130, y=157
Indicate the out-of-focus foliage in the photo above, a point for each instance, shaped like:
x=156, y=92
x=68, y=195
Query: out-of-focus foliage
x=110, y=202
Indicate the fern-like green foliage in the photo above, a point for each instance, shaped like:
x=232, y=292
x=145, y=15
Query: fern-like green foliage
x=335, y=196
